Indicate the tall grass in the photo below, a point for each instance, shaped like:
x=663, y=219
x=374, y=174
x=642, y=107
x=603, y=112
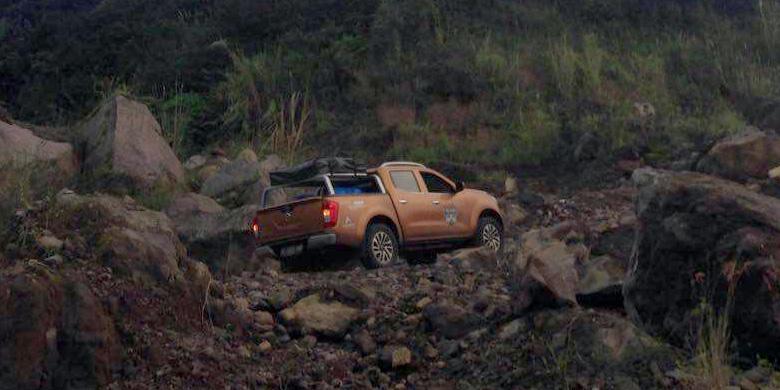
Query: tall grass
x=21, y=184
x=243, y=93
x=769, y=19
x=710, y=367
x=273, y=118
x=16, y=188
x=563, y=62
x=289, y=121
x=176, y=110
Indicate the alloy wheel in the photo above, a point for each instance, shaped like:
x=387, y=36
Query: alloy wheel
x=491, y=237
x=382, y=247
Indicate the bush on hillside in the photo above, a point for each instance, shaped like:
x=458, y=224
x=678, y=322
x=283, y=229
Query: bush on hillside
x=535, y=75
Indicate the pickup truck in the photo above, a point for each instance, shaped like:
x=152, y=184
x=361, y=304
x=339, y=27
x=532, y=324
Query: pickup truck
x=398, y=208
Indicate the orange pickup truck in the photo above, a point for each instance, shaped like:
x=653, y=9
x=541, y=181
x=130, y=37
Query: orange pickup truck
x=398, y=208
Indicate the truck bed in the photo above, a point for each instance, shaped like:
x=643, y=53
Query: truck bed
x=289, y=221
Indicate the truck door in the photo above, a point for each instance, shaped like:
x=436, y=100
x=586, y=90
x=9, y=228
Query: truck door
x=421, y=214
x=452, y=210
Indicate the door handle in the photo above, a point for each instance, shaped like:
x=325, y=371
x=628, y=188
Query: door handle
x=403, y=201
x=435, y=202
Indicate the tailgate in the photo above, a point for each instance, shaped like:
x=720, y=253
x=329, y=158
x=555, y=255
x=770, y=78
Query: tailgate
x=289, y=221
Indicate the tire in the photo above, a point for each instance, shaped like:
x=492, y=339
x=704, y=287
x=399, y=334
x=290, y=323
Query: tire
x=424, y=257
x=490, y=233
x=380, y=247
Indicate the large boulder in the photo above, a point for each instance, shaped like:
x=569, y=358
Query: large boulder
x=549, y=257
x=54, y=334
x=242, y=181
x=123, y=139
x=606, y=345
x=314, y=315
x=216, y=235
x=751, y=154
x=19, y=146
x=201, y=167
x=187, y=210
x=699, y=238
x=130, y=239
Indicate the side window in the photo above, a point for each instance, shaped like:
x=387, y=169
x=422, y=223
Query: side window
x=436, y=184
x=404, y=181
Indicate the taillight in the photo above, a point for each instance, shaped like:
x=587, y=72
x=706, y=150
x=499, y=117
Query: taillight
x=255, y=227
x=330, y=213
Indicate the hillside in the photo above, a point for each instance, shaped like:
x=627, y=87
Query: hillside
x=456, y=81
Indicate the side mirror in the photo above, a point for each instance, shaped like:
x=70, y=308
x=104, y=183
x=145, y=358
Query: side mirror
x=459, y=186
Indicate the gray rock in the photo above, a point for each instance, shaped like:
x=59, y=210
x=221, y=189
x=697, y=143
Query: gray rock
x=512, y=329
x=604, y=340
x=312, y=314
x=395, y=356
x=242, y=181
x=187, y=209
x=602, y=280
x=222, y=239
x=57, y=326
x=134, y=241
x=50, y=243
x=692, y=228
x=549, y=261
x=750, y=154
x=365, y=342
x=195, y=162
x=280, y=299
x=124, y=138
x=20, y=146
x=54, y=261
x=450, y=319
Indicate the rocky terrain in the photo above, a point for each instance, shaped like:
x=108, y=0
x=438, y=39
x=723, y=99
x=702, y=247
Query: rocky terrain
x=134, y=270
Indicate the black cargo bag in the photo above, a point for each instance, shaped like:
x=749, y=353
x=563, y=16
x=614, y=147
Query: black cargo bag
x=315, y=167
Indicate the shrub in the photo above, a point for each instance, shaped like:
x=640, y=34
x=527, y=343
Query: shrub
x=531, y=138
x=176, y=110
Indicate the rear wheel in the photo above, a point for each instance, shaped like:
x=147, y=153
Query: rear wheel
x=490, y=233
x=380, y=246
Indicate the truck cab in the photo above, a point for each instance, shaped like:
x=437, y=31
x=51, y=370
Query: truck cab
x=398, y=208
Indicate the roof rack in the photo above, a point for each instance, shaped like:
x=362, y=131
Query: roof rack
x=397, y=163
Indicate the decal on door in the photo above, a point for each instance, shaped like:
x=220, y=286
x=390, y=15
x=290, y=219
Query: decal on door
x=451, y=215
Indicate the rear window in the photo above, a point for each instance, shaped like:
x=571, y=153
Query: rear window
x=351, y=185
x=405, y=181
x=277, y=196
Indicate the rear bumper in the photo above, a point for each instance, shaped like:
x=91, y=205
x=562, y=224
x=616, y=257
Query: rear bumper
x=303, y=244
x=320, y=241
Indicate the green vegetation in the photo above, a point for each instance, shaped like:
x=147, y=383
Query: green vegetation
x=494, y=82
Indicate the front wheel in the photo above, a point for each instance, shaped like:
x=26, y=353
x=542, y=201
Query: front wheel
x=380, y=247
x=490, y=233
